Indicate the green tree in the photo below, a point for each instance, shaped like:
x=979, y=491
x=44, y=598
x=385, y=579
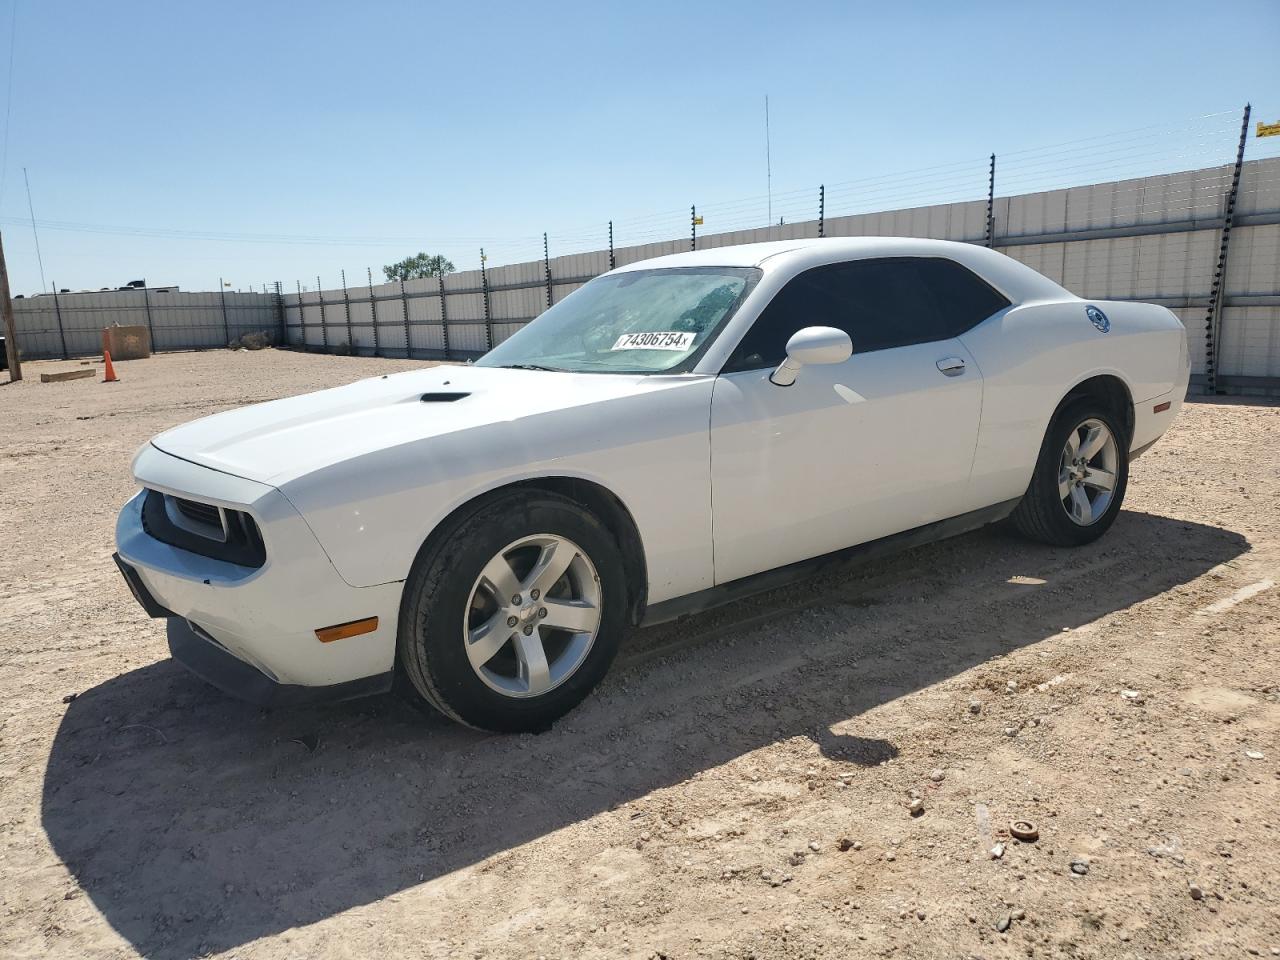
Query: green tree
x=417, y=266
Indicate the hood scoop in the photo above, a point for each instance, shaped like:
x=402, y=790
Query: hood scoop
x=446, y=397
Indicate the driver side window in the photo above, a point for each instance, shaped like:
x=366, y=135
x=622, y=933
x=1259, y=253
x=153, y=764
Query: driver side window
x=881, y=303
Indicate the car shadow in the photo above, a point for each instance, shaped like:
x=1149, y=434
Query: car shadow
x=195, y=823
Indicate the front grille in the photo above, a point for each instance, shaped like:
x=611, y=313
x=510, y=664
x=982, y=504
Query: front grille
x=218, y=532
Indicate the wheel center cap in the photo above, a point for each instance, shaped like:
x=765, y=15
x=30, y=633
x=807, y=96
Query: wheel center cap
x=528, y=612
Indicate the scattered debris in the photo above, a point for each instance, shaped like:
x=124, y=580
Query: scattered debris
x=844, y=844
x=997, y=851
x=69, y=697
x=1024, y=830
x=986, y=836
x=66, y=375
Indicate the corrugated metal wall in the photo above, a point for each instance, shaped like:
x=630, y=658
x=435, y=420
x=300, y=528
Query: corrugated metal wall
x=1155, y=238
x=178, y=321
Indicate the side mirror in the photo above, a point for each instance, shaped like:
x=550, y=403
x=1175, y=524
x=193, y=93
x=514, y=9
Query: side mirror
x=812, y=345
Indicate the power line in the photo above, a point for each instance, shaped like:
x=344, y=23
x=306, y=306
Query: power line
x=34, y=233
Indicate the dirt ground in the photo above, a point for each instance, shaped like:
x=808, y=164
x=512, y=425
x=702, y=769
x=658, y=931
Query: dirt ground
x=739, y=786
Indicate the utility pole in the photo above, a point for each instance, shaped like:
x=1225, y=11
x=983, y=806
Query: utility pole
x=10, y=333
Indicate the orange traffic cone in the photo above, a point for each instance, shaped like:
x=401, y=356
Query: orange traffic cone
x=111, y=371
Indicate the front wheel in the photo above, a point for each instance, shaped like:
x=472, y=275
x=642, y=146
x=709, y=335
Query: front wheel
x=515, y=614
x=1080, y=477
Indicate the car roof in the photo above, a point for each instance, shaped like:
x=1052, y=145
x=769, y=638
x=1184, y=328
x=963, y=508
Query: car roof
x=1018, y=281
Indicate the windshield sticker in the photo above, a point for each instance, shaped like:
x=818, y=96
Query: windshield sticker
x=661, y=340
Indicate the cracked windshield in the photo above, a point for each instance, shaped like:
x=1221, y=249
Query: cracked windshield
x=640, y=321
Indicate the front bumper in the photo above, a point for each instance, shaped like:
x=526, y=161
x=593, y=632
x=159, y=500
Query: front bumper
x=265, y=617
x=211, y=663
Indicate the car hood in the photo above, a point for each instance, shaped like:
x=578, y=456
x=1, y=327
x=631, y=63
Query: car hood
x=281, y=440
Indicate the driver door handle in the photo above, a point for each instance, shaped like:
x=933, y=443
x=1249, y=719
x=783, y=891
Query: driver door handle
x=951, y=366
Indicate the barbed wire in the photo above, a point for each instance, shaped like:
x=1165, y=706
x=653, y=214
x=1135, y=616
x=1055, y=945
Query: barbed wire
x=1186, y=145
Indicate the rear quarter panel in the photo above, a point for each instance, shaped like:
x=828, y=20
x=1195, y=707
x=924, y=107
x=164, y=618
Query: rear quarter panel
x=1032, y=355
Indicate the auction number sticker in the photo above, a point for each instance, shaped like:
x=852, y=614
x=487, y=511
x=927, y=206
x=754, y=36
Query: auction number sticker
x=658, y=340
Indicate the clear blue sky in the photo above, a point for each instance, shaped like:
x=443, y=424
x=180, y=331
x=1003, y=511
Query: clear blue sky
x=445, y=127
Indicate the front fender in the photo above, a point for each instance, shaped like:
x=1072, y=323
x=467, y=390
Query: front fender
x=651, y=450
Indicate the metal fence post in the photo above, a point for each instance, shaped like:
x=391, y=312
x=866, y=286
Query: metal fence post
x=346, y=313
x=324, y=319
x=1213, y=318
x=822, y=209
x=279, y=305
x=991, y=204
x=444, y=318
x=302, y=318
x=146, y=303
x=404, y=310
x=57, y=310
x=226, y=325
x=484, y=288
x=546, y=268
x=373, y=310
x=611, y=262
x=693, y=227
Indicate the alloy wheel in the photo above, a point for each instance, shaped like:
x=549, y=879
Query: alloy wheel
x=532, y=616
x=1088, y=472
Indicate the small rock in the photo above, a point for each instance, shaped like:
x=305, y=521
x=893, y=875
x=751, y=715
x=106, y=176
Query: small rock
x=1011, y=686
x=1010, y=731
x=975, y=706
x=1018, y=914
x=644, y=837
x=916, y=807
x=891, y=856
x=1196, y=891
x=937, y=776
x=1253, y=754
x=1003, y=923
x=1080, y=866
x=920, y=914
x=813, y=845
x=997, y=851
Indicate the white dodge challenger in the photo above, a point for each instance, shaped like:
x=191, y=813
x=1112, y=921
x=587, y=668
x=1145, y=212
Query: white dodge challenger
x=675, y=434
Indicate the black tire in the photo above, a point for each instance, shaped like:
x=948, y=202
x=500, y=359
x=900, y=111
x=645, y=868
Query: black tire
x=1041, y=515
x=438, y=591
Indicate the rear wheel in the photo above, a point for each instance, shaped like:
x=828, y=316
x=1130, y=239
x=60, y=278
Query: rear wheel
x=1080, y=477
x=515, y=614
